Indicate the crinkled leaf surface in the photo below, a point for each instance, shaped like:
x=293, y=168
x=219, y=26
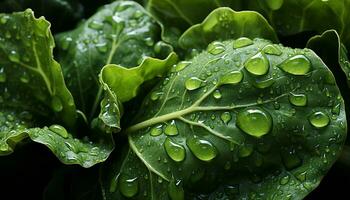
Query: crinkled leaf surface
x=62, y=13
x=225, y=23
x=121, y=33
x=257, y=121
x=33, y=93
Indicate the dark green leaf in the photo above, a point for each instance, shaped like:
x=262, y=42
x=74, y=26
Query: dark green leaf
x=258, y=121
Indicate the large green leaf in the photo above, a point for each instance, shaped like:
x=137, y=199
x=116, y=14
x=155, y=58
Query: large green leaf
x=240, y=120
x=121, y=33
x=62, y=13
x=33, y=94
x=224, y=23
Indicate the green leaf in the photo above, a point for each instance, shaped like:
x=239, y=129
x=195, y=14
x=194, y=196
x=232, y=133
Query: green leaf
x=225, y=23
x=70, y=150
x=122, y=84
x=257, y=121
x=31, y=82
x=58, y=12
x=121, y=33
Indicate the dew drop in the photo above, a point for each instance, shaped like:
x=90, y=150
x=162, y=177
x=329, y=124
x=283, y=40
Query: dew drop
x=272, y=50
x=264, y=83
x=13, y=56
x=257, y=64
x=24, y=78
x=128, y=186
x=254, y=121
x=96, y=25
x=217, y=94
x=245, y=151
x=274, y=4
x=175, y=190
x=171, y=129
x=202, y=149
x=149, y=41
x=216, y=48
x=102, y=47
x=181, y=65
x=234, y=77
x=298, y=99
x=284, y=180
x=56, y=104
x=226, y=117
x=319, y=119
x=296, y=65
x=290, y=159
x=242, y=42
x=156, y=131
x=175, y=151
x=2, y=75
x=156, y=95
x=4, y=19
x=59, y=130
x=193, y=83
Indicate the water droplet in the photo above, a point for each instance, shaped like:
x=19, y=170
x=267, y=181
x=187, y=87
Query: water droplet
x=175, y=190
x=296, y=65
x=216, y=48
x=175, y=151
x=301, y=176
x=60, y=130
x=171, y=129
x=272, y=50
x=257, y=64
x=319, y=119
x=284, y=180
x=226, y=117
x=128, y=186
x=217, y=94
x=290, y=159
x=242, y=42
x=102, y=47
x=2, y=75
x=156, y=95
x=156, y=131
x=137, y=14
x=274, y=4
x=56, y=104
x=66, y=43
x=336, y=109
x=4, y=19
x=24, y=78
x=149, y=41
x=298, y=99
x=245, y=151
x=193, y=83
x=97, y=25
x=13, y=56
x=231, y=78
x=264, y=83
x=202, y=149
x=254, y=121
x=182, y=65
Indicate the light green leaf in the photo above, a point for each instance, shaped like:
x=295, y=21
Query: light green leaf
x=31, y=81
x=225, y=23
x=225, y=129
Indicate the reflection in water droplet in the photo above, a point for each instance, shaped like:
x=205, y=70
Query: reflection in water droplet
x=298, y=99
x=128, y=187
x=296, y=65
x=242, y=42
x=272, y=50
x=95, y=25
x=264, y=83
x=171, y=129
x=156, y=131
x=231, y=78
x=319, y=119
x=254, y=121
x=216, y=48
x=226, y=117
x=217, y=94
x=193, y=83
x=257, y=65
x=59, y=130
x=175, y=151
x=202, y=149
